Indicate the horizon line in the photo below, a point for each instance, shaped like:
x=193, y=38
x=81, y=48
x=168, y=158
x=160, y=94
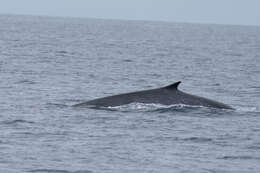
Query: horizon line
x=123, y=19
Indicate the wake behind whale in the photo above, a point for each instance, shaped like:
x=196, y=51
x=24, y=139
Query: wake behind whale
x=169, y=95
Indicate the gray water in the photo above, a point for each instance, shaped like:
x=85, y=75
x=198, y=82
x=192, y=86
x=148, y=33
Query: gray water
x=48, y=64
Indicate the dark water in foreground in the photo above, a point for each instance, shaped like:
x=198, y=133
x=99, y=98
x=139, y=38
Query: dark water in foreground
x=49, y=64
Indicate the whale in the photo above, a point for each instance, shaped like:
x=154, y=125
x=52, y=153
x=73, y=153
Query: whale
x=168, y=95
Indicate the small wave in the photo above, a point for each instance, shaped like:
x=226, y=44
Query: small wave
x=58, y=171
x=62, y=52
x=187, y=139
x=57, y=105
x=234, y=54
x=25, y=81
x=18, y=121
x=240, y=158
x=127, y=60
x=254, y=147
x=198, y=139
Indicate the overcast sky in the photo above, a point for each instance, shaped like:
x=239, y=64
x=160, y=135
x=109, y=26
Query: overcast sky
x=245, y=12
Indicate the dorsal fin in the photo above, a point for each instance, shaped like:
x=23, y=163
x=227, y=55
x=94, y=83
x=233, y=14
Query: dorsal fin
x=173, y=86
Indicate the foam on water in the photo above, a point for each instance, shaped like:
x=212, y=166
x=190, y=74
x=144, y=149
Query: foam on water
x=247, y=109
x=150, y=107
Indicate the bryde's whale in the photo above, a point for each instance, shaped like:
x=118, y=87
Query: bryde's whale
x=168, y=95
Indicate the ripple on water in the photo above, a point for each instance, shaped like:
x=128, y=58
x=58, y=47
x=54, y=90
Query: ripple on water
x=240, y=158
x=198, y=139
x=25, y=81
x=58, y=171
x=17, y=121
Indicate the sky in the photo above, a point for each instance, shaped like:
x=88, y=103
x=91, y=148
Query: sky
x=239, y=12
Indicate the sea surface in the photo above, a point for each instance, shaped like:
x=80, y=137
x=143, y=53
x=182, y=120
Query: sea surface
x=48, y=64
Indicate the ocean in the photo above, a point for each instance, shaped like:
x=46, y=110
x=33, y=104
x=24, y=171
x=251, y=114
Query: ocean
x=48, y=64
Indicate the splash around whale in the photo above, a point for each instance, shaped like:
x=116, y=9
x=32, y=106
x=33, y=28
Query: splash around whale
x=169, y=95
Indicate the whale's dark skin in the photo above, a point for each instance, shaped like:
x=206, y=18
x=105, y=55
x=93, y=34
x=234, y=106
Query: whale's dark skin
x=168, y=95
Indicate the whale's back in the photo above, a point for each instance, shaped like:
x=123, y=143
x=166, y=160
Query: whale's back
x=168, y=95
